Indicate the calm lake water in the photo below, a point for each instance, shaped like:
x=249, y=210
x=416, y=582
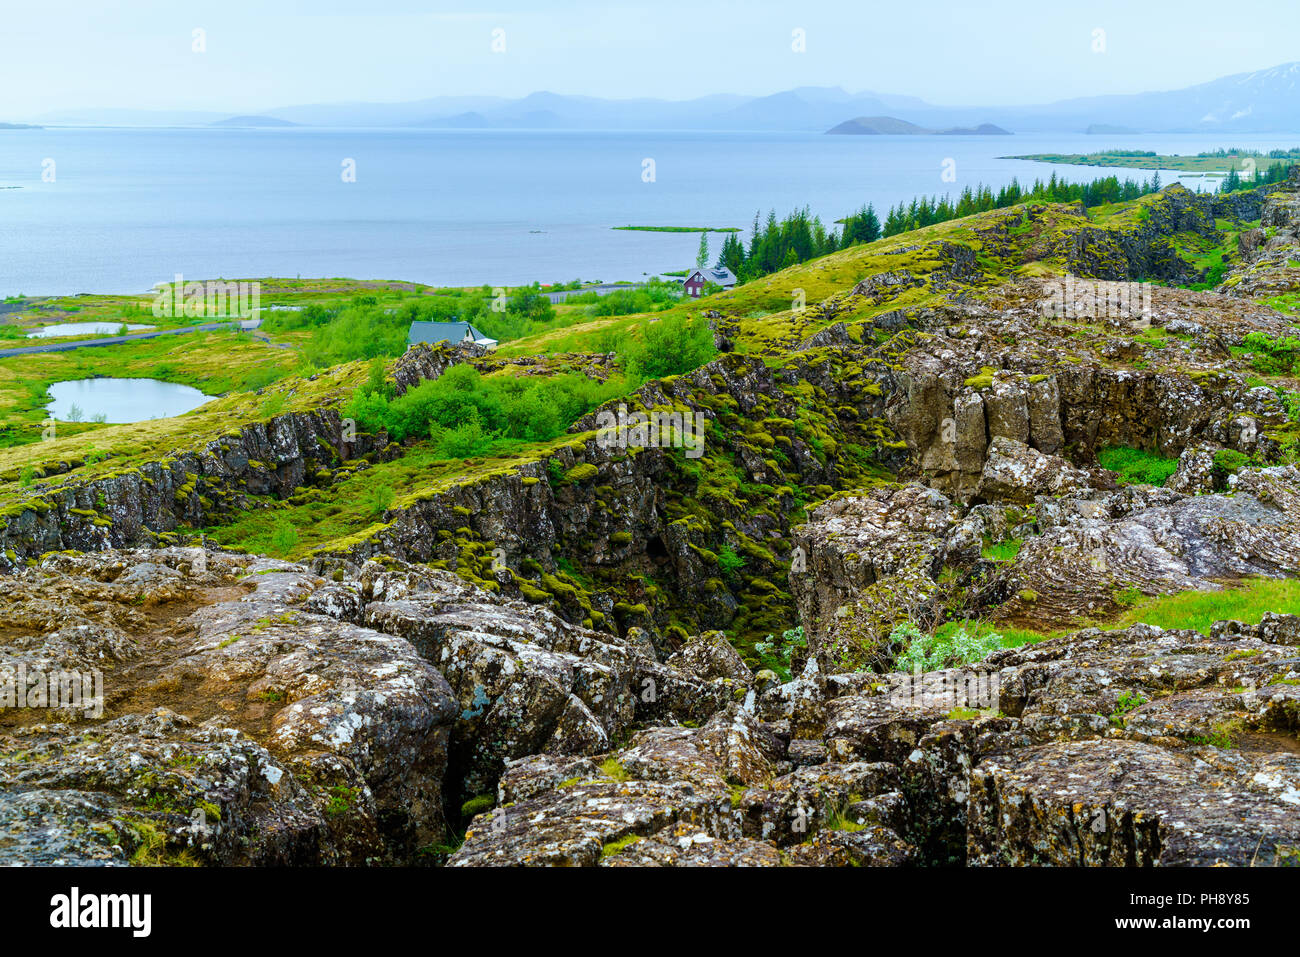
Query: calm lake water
x=83, y=329
x=123, y=400
x=130, y=208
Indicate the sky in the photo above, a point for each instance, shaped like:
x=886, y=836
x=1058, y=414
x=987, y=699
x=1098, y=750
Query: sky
x=260, y=54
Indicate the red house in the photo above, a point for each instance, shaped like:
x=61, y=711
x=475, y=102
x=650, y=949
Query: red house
x=696, y=279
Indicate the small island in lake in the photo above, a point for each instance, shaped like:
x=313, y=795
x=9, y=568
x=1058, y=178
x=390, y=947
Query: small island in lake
x=892, y=126
x=681, y=229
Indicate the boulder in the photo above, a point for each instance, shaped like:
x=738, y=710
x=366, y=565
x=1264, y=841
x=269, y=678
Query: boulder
x=710, y=656
x=1014, y=472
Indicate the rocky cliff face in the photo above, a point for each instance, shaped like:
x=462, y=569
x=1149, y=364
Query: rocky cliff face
x=1144, y=249
x=195, y=488
x=200, y=486
x=1068, y=378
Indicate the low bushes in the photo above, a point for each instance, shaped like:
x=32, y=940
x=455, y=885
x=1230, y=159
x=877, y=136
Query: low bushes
x=466, y=414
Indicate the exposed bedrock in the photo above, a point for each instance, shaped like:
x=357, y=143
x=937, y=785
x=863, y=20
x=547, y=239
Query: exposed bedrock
x=893, y=554
x=1136, y=747
x=254, y=712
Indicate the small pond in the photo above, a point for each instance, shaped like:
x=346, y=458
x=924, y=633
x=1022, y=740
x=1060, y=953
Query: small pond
x=83, y=329
x=121, y=400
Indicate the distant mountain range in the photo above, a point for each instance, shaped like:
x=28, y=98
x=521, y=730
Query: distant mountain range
x=1263, y=101
x=889, y=125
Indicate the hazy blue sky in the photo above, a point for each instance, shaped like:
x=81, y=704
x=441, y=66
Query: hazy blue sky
x=264, y=53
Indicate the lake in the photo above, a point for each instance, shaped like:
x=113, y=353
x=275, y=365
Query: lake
x=122, y=400
x=84, y=329
x=129, y=208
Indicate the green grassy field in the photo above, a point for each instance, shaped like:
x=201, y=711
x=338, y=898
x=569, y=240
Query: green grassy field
x=1198, y=610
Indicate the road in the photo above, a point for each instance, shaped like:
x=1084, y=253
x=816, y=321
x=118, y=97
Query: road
x=246, y=324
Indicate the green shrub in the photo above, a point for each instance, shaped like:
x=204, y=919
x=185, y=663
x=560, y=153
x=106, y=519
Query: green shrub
x=1003, y=551
x=283, y=538
x=728, y=561
x=379, y=498
x=931, y=652
x=467, y=414
x=1128, y=701
x=464, y=440
x=776, y=655
x=1227, y=461
x=1137, y=467
x=671, y=346
x=1128, y=597
x=651, y=297
x=377, y=379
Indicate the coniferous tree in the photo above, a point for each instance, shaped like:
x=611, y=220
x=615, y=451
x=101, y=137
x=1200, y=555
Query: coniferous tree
x=732, y=255
x=870, y=225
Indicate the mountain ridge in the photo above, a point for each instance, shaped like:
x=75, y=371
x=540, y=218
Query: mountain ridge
x=1259, y=101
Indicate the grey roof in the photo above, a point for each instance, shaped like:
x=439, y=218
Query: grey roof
x=719, y=274
x=434, y=332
